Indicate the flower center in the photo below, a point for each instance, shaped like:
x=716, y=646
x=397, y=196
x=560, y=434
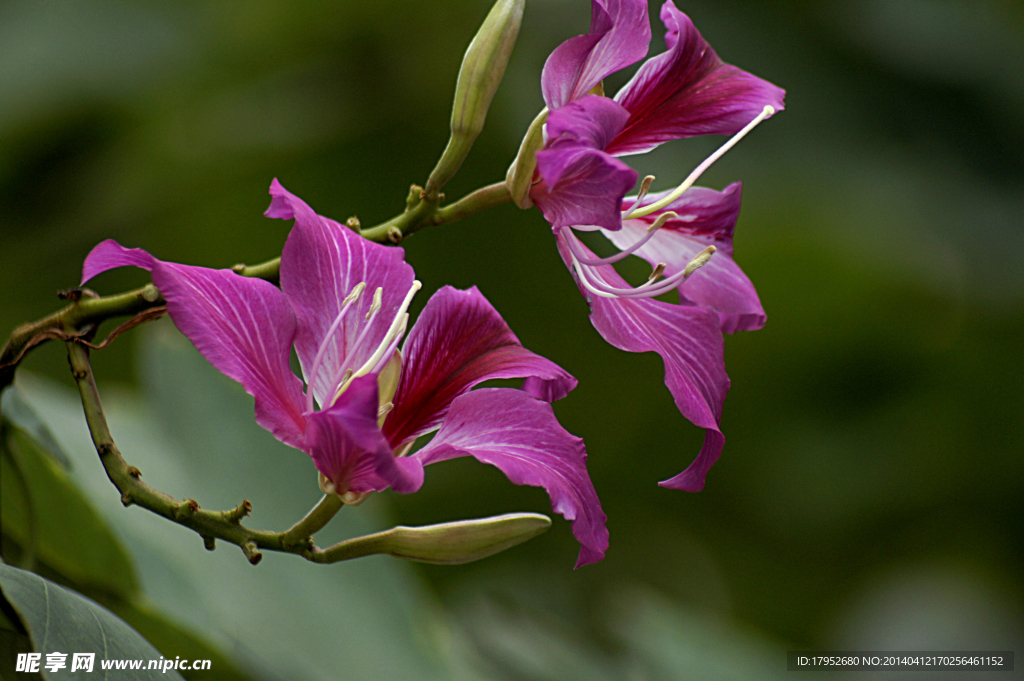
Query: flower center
x=586, y=267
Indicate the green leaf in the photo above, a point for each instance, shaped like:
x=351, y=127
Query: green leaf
x=46, y=515
x=15, y=409
x=60, y=620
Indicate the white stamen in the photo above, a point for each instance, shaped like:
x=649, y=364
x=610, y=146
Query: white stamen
x=699, y=261
x=346, y=304
x=699, y=170
x=390, y=340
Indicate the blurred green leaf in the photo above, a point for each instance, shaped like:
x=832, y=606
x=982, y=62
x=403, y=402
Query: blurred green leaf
x=59, y=620
x=52, y=519
x=14, y=409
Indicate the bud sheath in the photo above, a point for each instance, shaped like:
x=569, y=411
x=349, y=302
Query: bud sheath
x=483, y=67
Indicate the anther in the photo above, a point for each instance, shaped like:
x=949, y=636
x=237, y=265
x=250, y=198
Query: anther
x=354, y=294
x=658, y=271
x=645, y=187
x=662, y=219
x=385, y=409
x=699, y=261
x=375, y=305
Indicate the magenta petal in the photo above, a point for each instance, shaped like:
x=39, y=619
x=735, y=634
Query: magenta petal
x=321, y=263
x=459, y=341
x=689, y=342
x=243, y=326
x=592, y=121
x=348, y=448
x=521, y=437
x=619, y=34
x=688, y=91
x=706, y=218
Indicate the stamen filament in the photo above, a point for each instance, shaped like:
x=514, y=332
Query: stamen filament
x=658, y=224
x=645, y=187
x=699, y=170
x=347, y=303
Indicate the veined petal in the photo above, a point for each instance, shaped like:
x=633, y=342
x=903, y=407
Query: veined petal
x=458, y=341
x=687, y=90
x=689, y=342
x=348, y=448
x=521, y=437
x=321, y=263
x=242, y=325
x=706, y=218
x=619, y=34
x=593, y=121
x=590, y=187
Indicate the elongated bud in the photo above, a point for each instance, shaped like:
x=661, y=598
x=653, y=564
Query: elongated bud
x=483, y=67
x=520, y=174
x=444, y=544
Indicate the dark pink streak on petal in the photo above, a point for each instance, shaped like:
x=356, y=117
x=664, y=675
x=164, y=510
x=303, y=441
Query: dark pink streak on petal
x=688, y=91
x=459, y=341
x=521, y=437
x=348, y=448
x=706, y=218
x=321, y=263
x=689, y=342
x=243, y=326
x=619, y=34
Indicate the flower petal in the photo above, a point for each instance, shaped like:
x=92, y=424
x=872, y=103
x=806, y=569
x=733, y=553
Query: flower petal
x=521, y=437
x=459, y=341
x=687, y=91
x=321, y=263
x=581, y=185
x=619, y=34
x=706, y=218
x=243, y=326
x=689, y=342
x=347, y=446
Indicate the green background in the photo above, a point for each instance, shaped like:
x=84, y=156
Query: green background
x=869, y=494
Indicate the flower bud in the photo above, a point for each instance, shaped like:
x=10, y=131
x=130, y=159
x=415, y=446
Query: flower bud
x=482, y=70
x=445, y=544
x=520, y=174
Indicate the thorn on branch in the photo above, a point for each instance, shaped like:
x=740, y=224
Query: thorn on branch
x=251, y=552
x=134, y=472
x=209, y=542
x=235, y=516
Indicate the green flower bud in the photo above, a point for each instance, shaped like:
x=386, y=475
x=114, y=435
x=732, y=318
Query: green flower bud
x=520, y=174
x=444, y=544
x=483, y=67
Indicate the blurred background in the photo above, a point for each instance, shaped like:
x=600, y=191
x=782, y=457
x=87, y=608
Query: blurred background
x=870, y=492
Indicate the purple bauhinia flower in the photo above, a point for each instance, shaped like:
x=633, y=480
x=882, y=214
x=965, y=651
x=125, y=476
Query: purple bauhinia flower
x=581, y=185
x=343, y=306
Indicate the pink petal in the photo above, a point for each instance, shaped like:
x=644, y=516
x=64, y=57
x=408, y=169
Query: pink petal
x=521, y=437
x=619, y=34
x=687, y=91
x=348, y=448
x=321, y=263
x=243, y=326
x=459, y=341
x=691, y=345
x=706, y=218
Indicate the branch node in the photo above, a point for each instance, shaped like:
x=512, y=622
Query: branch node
x=239, y=268
x=186, y=508
x=251, y=552
x=209, y=542
x=81, y=375
x=126, y=499
x=394, y=235
x=235, y=516
x=72, y=294
x=353, y=223
x=150, y=293
x=134, y=472
x=105, y=448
